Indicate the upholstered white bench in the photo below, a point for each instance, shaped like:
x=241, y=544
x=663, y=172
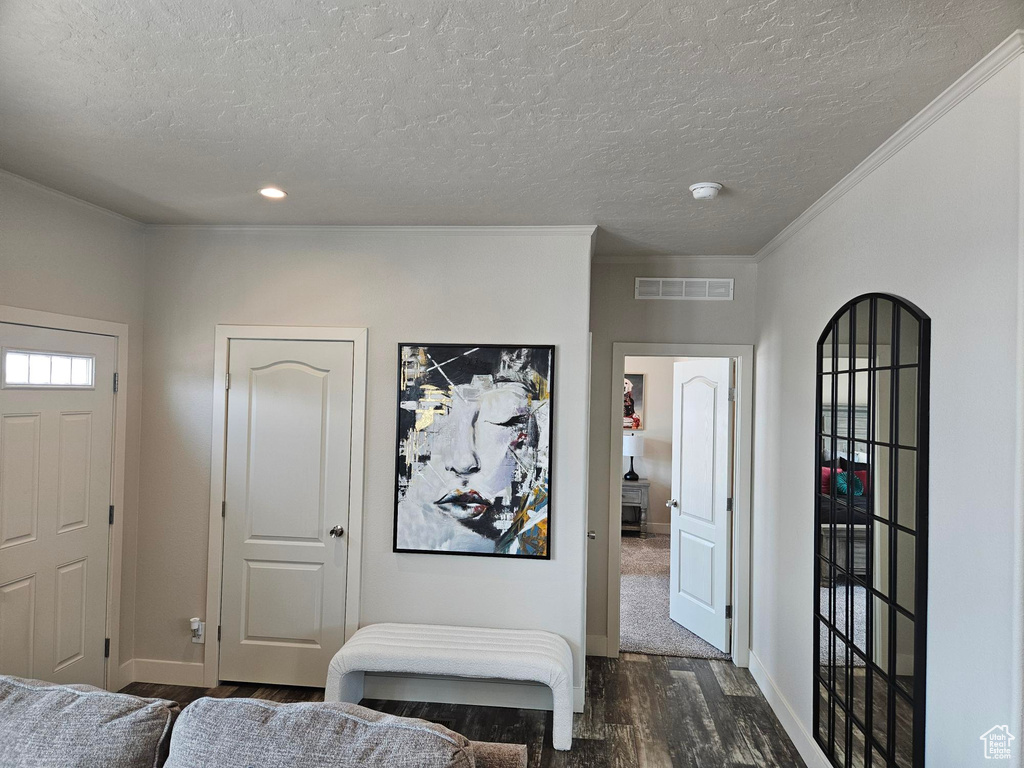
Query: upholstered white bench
x=426, y=649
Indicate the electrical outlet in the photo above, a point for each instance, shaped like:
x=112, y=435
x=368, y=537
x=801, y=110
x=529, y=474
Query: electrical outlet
x=198, y=630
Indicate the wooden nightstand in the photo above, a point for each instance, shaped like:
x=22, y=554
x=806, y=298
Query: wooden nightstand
x=636, y=493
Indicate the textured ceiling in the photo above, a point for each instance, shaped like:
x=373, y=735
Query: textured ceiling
x=440, y=112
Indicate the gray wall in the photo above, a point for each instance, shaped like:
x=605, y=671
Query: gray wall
x=413, y=286
x=58, y=254
x=656, y=463
x=938, y=224
x=616, y=316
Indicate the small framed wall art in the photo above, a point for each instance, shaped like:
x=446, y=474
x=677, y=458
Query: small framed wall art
x=633, y=402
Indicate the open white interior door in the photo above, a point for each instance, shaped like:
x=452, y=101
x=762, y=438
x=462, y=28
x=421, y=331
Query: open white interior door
x=701, y=484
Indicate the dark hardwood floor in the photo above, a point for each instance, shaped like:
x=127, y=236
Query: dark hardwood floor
x=642, y=711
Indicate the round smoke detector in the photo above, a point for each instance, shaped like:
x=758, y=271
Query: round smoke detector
x=705, y=190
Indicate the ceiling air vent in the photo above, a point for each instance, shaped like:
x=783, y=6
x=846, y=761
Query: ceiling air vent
x=684, y=288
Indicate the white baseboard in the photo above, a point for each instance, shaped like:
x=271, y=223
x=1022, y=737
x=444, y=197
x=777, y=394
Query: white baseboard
x=804, y=742
x=125, y=675
x=462, y=690
x=597, y=645
x=458, y=690
x=167, y=672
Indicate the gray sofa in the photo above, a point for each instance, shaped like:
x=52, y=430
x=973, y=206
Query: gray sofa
x=77, y=726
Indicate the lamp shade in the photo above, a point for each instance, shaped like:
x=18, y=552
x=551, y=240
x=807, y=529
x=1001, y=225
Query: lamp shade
x=632, y=445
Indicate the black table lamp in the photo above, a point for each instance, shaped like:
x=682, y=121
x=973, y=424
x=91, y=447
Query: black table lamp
x=632, y=446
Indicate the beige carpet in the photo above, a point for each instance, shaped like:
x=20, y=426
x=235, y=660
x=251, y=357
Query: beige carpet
x=860, y=624
x=644, y=623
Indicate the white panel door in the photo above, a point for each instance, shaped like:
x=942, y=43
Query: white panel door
x=701, y=481
x=286, y=507
x=56, y=440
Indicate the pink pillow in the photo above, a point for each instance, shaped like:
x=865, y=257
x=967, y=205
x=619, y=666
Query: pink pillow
x=863, y=475
x=826, y=479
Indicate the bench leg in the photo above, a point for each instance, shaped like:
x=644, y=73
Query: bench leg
x=561, y=736
x=346, y=687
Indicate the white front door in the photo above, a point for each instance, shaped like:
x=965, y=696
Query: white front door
x=286, y=507
x=56, y=437
x=701, y=484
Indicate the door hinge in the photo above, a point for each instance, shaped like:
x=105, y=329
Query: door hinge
x=218, y=633
x=106, y=648
x=227, y=381
x=732, y=394
x=115, y=381
x=728, y=504
x=223, y=509
x=111, y=519
x=728, y=611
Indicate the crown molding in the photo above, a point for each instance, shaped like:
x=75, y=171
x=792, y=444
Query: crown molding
x=571, y=230
x=70, y=198
x=676, y=259
x=568, y=230
x=993, y=62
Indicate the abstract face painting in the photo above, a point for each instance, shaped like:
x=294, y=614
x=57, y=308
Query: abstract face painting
x=474, y=449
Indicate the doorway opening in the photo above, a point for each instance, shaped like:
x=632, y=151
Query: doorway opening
x=680, y=501
x=677, y=428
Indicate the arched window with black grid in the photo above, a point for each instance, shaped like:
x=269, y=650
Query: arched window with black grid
x=871, y=533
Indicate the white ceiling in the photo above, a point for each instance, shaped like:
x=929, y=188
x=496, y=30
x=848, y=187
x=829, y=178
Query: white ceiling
x=470, y=113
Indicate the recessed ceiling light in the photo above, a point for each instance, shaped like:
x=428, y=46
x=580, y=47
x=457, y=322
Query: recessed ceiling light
x=273, y=193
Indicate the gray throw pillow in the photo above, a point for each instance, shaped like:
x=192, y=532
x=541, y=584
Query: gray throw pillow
x=78, y=726
x=250, y=733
